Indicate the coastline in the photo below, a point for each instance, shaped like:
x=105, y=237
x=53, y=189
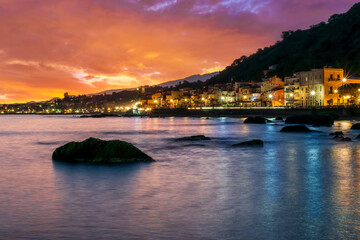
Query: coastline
x=342, y=113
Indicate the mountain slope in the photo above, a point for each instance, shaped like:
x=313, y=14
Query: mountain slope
x=193, y=78
x=336, y=44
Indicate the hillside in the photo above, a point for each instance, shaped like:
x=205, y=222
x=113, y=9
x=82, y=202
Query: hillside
x=109, y=92
x=336, y=43
x=173, y=83
x=191, y=79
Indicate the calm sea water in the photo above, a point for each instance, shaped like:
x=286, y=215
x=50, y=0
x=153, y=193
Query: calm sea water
x=298, y=186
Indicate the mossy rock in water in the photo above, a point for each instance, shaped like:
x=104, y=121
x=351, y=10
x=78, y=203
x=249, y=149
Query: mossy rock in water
x=295, y=128
x=255, y=120
x=252, y=143
x=98, y=151
x=356, y=126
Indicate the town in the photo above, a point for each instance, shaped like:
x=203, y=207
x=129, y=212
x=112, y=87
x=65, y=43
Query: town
x=317, y=88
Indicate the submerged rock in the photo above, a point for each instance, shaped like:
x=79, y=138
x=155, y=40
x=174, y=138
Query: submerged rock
x=255, y=120
x=358, y=136
x=346, y=139
x=338, y=136
x=254, y=142
x=101, y=115
x=98, y=151
x=194, y=138
x=314, y=119
x=295, y=128
x=279, y=118
x=355, y=126
x=340, y=133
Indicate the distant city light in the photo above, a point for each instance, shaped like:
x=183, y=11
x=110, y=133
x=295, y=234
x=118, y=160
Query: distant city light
x=312, y=93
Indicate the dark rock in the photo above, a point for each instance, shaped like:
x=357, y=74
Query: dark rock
x=346, y=139
x=269, y=121
x=194, y=138
x=101, y=115
x=358, y=136
x=338, y=136
x=279, y=118
x=314, y=119
x=336, y=133
x=254, y=142
x=194, y=145
x=255, y=120
x=355, y=126
x=295, y=128
x=97, y=151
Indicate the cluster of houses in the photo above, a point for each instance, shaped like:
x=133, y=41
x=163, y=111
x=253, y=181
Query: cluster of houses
x=316, y=88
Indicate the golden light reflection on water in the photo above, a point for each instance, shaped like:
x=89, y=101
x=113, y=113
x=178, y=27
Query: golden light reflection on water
x=342, y=158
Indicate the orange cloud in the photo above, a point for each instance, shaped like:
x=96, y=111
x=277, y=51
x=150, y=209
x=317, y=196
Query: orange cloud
x=48, y=47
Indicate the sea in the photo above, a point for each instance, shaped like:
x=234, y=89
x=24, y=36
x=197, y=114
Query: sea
x=297, y=186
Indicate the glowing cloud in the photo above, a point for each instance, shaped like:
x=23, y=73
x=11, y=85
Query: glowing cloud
x=86, y=46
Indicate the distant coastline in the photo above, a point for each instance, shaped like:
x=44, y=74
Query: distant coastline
x=339, y=112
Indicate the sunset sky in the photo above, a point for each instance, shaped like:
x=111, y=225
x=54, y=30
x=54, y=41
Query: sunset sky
x=48, y=47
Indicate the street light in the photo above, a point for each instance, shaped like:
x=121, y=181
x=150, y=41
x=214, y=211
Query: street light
x=313, y=94
x=270, y=96
x=344, y=79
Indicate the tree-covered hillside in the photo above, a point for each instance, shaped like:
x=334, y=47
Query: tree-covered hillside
x=336, y=44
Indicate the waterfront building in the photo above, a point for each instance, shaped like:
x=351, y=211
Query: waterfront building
x=156, y=100
x=249, y=95
x=271, y=84
x=277, y=99
x=319, y=87
x=292, y=91
x=350, y=91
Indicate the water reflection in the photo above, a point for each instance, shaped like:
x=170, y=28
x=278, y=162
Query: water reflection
x=298, y=186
